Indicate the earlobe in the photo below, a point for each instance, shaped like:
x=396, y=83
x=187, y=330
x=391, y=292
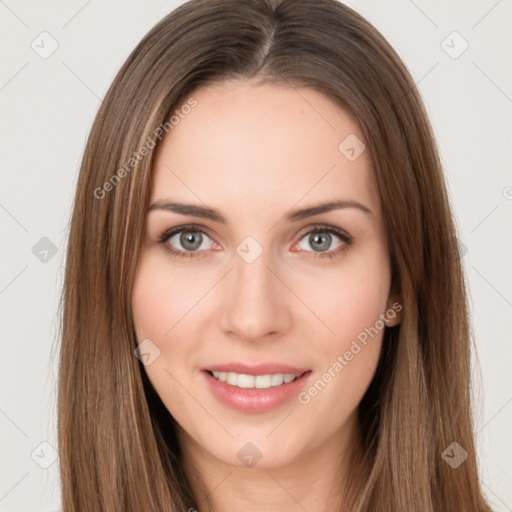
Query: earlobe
x=392, y=322
x=393, y=315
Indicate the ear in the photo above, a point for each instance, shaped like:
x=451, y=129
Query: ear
x=393, y=314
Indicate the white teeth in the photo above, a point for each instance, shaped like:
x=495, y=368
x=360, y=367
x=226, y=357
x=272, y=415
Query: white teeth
x=242, y=380
x=263, y=381
x=277, y=379
x=231, y=378
x=245, y=381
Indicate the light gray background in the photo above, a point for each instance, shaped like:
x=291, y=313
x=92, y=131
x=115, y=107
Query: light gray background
x=47, y=108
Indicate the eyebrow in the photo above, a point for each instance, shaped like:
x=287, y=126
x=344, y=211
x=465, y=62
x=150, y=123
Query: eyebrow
x=292, y=216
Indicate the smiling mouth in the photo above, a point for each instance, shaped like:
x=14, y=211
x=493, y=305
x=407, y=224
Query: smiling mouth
x=245, y=381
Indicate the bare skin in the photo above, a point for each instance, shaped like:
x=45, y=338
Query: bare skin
x=254, y=153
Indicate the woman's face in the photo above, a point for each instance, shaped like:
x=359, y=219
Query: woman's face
x=257, y=295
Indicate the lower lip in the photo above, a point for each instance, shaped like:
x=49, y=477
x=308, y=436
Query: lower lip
x=252, y=399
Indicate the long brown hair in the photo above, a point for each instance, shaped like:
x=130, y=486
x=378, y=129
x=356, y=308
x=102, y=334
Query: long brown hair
x=117, y=445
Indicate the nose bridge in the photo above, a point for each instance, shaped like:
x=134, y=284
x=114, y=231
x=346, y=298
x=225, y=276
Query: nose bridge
x=256, y=305
x=253, y=278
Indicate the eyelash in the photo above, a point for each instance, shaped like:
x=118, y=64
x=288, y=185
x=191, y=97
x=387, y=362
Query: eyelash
x=320, y=228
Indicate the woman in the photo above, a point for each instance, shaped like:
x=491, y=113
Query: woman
x=214, y=357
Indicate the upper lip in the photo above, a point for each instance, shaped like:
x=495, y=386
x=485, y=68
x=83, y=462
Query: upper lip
x=256, y=369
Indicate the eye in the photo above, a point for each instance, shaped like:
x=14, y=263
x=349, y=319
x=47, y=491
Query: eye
x=190, y=238
x=321, y=238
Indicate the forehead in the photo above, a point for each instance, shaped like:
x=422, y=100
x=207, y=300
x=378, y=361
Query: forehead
x=267, y=142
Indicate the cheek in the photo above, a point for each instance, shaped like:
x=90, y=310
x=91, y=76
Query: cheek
x=356, y=298
x=165, y=307
x=353, y=351
x=357, y=301
x=156, y=308
x=149, y=302
x=161, y=297
x=347, y=359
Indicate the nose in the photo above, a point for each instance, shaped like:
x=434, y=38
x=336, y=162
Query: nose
x=256, y=303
